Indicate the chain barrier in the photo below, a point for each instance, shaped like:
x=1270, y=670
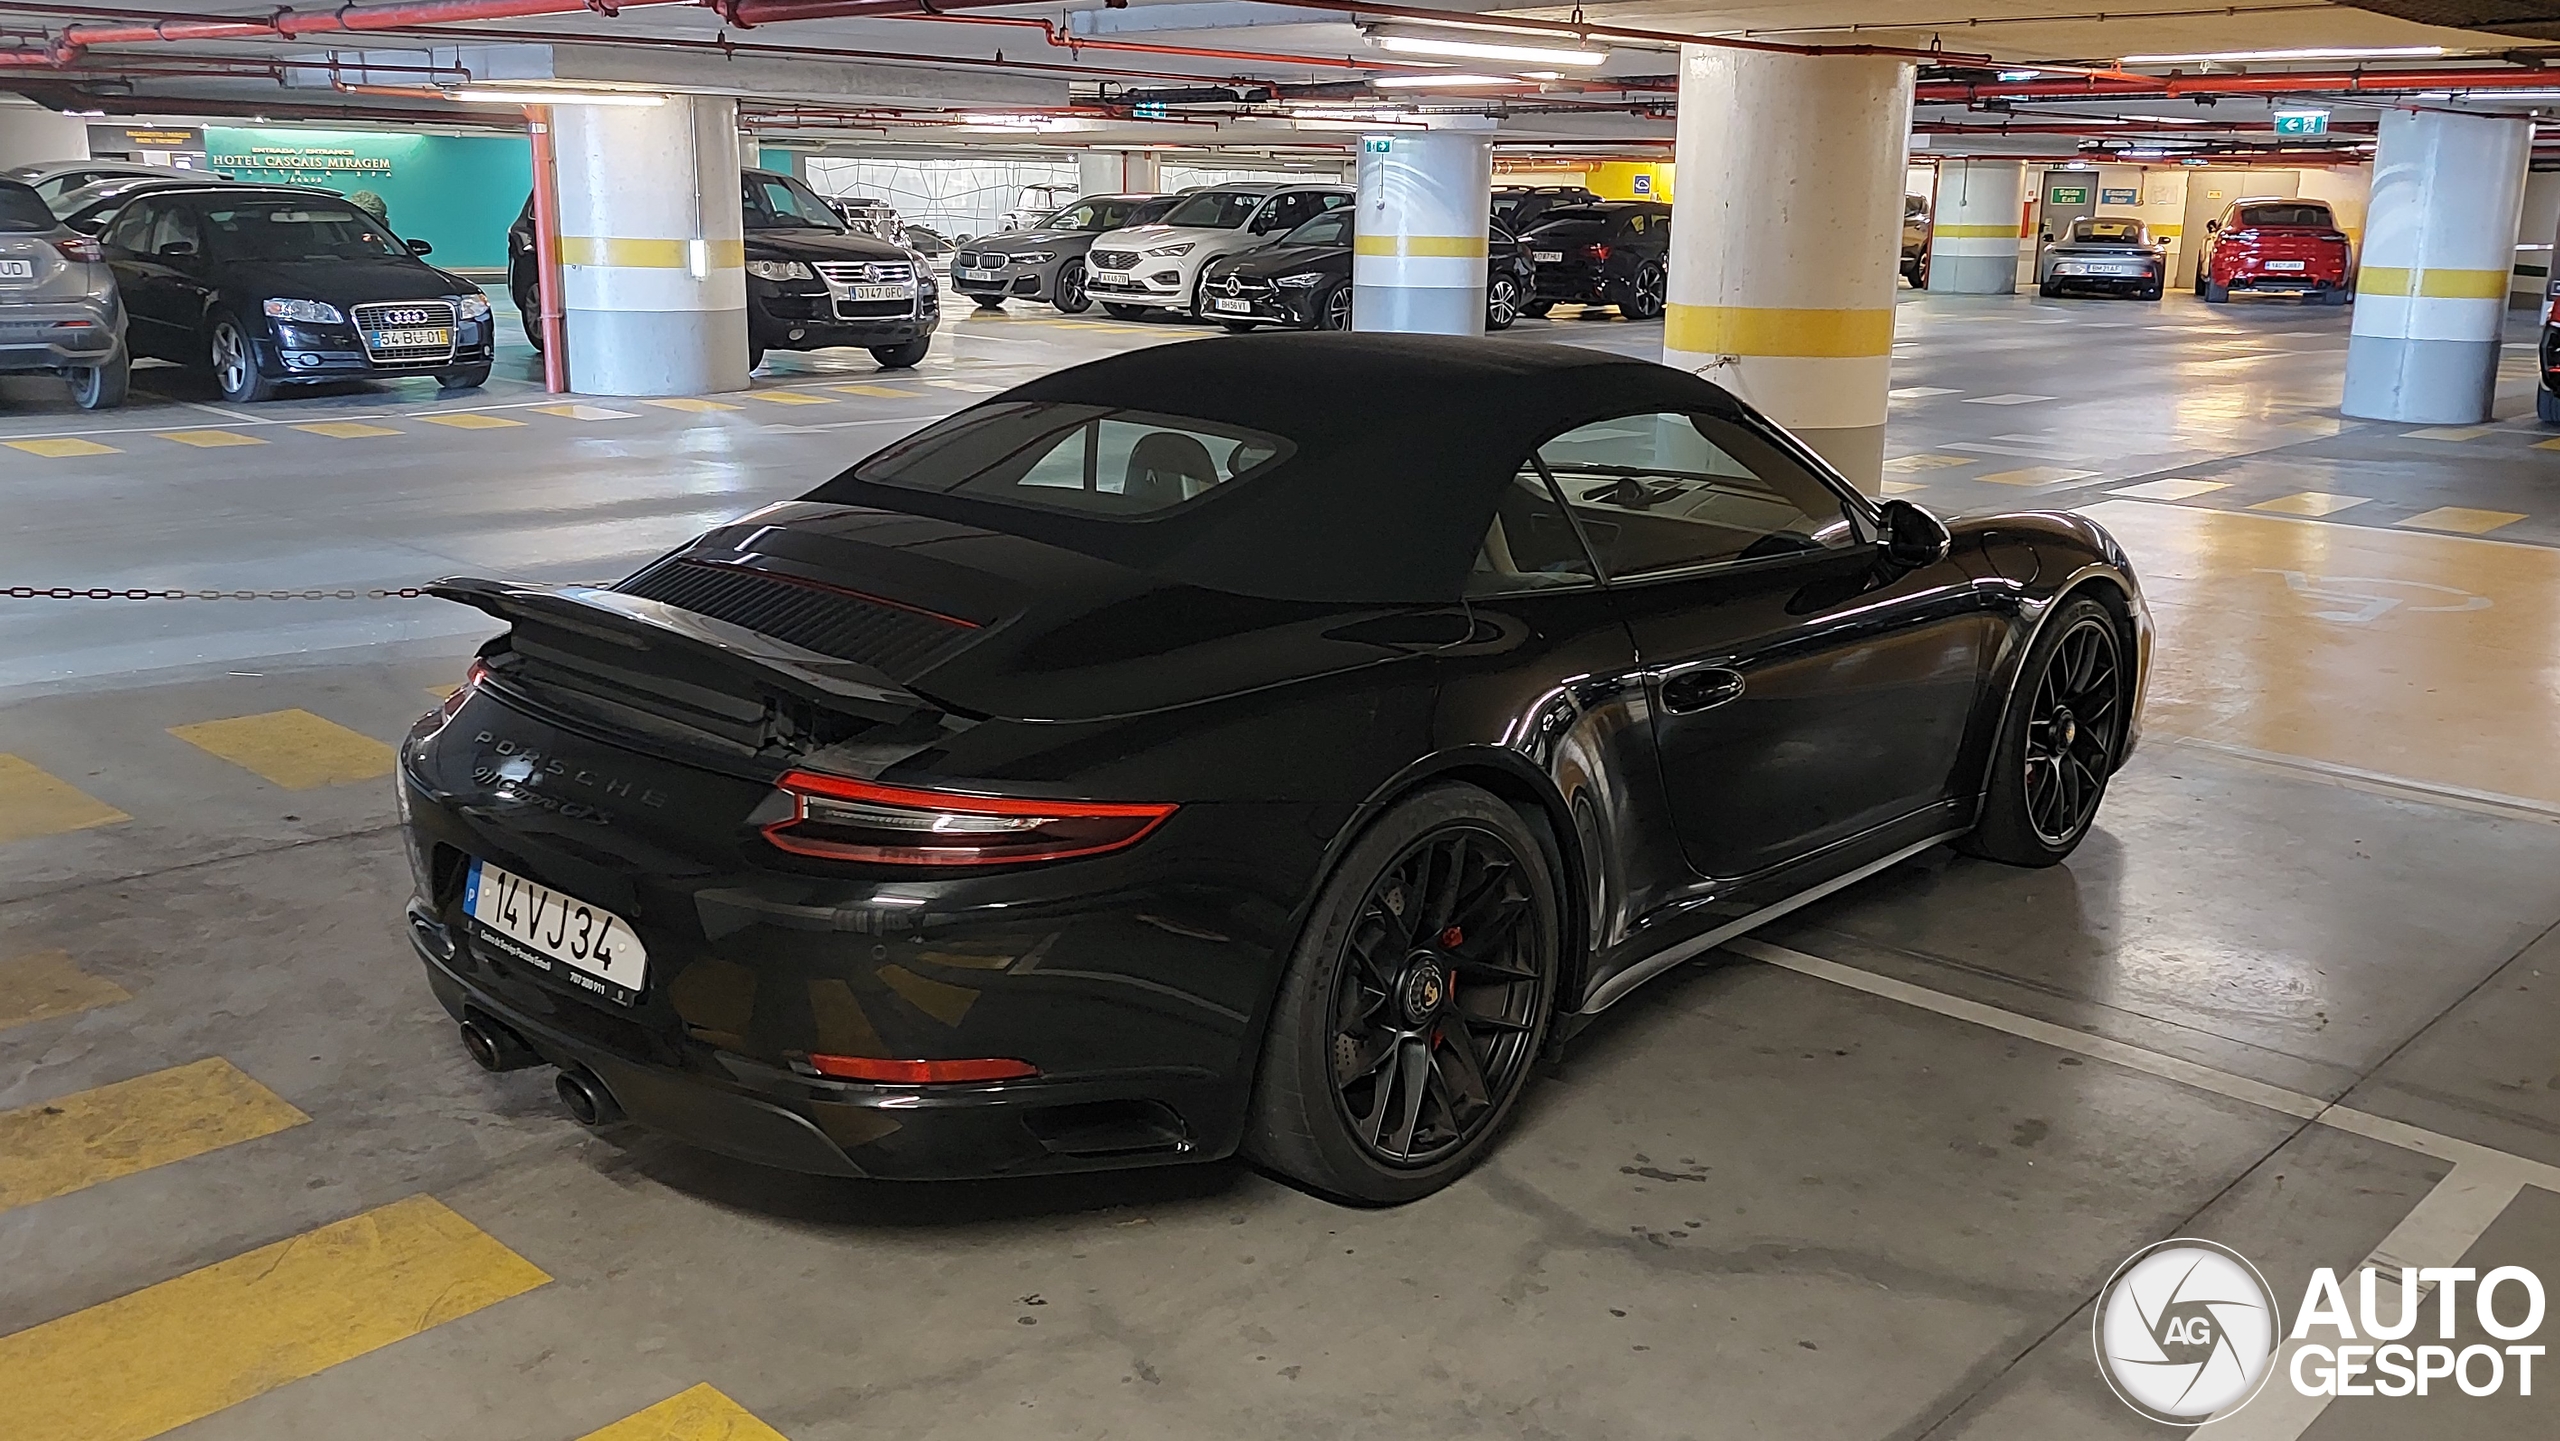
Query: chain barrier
x=100, y=592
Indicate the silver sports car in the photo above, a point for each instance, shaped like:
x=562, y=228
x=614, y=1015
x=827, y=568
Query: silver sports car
x=2103, y=253
x=1047, y=262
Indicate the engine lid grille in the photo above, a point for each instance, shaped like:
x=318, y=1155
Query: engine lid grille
x=831, y=620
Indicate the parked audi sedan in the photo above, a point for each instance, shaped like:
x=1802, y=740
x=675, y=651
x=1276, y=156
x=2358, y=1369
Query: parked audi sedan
x=59, y=310
x=1146, y=268
x=1272, y=745
x=1047, y=261
x=1617, y=252
x=2105, y=254
x=92, y=207
x=1303, y=279
x=270, y=286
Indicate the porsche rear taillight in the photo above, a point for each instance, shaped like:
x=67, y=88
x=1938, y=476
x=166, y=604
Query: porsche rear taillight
x=1596, y=254
x=470, y=682
x=839, y=819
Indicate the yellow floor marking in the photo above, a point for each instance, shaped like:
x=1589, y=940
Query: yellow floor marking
x=967, y=385
x=209, y=439
x=699, y=1413
x=2035, y=475
x=2172, y=489
x=158, y=1358
x=2408, y=653
x=585, y=412
x=885, y=392
x=2553, y=444
x=47, y=984
x=2448, y=432
x=347, y=429
x=293, y=748
x=1926, y=462
x=1903, y=487
x=790, y=397
x=61, y=447
x=2311, y=502
x=57, y=1147
x=468, y=420
x=441, y=692
x=2463, y=519
x=692, y=403
x=36, y=803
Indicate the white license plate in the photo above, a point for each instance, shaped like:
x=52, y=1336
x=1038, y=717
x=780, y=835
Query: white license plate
x=966, y=274
x=1239, y=307
x=2113, y=270
x=879, y=292
x=411, y=339
x=2284, y=265
x=17, y=270
x=1546, y=257
x=585, y=945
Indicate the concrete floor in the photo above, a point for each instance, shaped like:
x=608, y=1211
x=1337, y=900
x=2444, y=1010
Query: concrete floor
x=1858, y=1178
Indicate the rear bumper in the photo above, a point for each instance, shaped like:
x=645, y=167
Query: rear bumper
x=1586, y=287
x=58, y=336
x=2288, y=281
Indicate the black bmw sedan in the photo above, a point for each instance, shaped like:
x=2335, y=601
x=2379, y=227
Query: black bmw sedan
x=1303, y=280
x=1273, y=745
x=272, y=285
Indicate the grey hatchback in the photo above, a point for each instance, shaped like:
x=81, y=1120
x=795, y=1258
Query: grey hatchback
x=58, y=304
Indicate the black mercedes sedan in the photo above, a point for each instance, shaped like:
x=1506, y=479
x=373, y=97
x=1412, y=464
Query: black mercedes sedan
x=270, y=286
x=1271, y=746
x=1303, y=280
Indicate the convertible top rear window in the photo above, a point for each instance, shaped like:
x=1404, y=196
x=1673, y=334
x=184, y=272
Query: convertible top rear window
x=1090, y=460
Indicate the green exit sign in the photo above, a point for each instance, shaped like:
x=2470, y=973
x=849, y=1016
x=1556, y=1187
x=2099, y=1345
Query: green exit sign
x=2067, y=195
x=2302, y=122
x=1377, y=145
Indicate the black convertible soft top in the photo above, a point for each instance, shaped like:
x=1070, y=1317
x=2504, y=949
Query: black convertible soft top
x=1403, y=444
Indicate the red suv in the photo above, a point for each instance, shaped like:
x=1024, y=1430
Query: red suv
x=2277, y=244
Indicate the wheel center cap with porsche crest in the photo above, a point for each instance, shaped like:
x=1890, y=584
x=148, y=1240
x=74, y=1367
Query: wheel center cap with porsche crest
x=1423, y=990
x=2066, y=726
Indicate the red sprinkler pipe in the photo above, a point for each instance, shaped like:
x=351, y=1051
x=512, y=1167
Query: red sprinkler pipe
x=2369, y=82
x=1051, y=32
x=290, y=24
x=546, y=250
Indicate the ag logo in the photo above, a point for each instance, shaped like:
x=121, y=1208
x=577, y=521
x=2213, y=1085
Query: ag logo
x=2185, y=1331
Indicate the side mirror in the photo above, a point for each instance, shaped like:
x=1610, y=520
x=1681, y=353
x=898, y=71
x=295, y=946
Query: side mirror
x=177, y=250
x=2211, y=226
x=420, y=247
x=1913, y=538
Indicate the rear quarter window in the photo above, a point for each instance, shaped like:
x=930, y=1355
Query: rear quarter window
x=1096, y=461
x=22, y=211
x=2314, y=216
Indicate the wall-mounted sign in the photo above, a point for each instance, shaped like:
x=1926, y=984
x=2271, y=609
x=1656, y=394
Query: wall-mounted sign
x=1151, y=110
x=2119, y=197
x=124, y=140
x=1376, y=144
x=1643, y=184
x=316, y=162
x=2302, y=122
x=2066, y=195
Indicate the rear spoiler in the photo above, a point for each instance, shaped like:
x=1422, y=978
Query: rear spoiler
x=637, y=628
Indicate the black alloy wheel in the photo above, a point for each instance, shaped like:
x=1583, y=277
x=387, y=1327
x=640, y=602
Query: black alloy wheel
x=2059, y=742
x=1414, y=1007
x=1334, y=311
x=1069, y=289
x=1645, y=301
x=1501, y=302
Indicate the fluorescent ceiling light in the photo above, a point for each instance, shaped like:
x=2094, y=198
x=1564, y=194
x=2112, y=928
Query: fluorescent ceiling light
x=478, y=95
x=2020, y=74
x=1417, y=82
x=2167, y=119
x=2316, y=52
x=1489, y=50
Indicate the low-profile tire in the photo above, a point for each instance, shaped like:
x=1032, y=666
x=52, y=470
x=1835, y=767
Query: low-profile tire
x=1069, y=291
x=989, y=302
x=1536, y=309
x=2047, y=291
x=755, y=357
x=2215, y=294
x=1332, y=310
x=1382, y=1078
x=1645, y=297
x=102, y=386
x=2058, y=742
x=1501, y=302
x=466, y=377
x=2546, y=406
x=2148, y=292
x=902, y=357
x=234, y=362
x=1118, y=311
x=2337, y=295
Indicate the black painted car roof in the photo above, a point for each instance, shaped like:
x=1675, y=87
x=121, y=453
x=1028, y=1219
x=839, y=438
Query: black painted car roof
x=1403, y=444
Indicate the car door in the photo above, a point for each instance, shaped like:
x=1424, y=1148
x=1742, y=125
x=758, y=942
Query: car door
x=1804, y=691
x=144, y=279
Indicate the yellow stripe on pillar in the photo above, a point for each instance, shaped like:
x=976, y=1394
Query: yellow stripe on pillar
x=1975, y=232
x=642, y=253
x=2433, y=284
x=1775, y=330
x=1445, y=247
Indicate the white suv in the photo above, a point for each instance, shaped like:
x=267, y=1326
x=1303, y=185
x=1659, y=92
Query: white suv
x=1157, y=267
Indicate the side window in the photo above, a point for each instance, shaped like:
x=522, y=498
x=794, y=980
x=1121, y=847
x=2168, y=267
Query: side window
x=177, y=227
x=131, y=230
x=1530, y=545
x=1283, y=213
x=1331, y=202
x=1659, y=492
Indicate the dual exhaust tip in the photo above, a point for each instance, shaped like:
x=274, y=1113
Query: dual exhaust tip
x=494, y=1047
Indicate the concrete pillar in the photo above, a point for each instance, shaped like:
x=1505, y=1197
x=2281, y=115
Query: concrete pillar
x=1786, y=239
x=2431, y=289
x=652, y=259
x=30, y=133
x=1119, y=172
x=1418, y=256
x=1973, y=244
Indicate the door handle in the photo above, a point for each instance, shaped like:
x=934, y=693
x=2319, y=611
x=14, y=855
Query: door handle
x=1698, y=690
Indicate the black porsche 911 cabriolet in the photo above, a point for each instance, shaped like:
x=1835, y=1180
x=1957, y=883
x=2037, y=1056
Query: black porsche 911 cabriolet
x=1270, y=743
